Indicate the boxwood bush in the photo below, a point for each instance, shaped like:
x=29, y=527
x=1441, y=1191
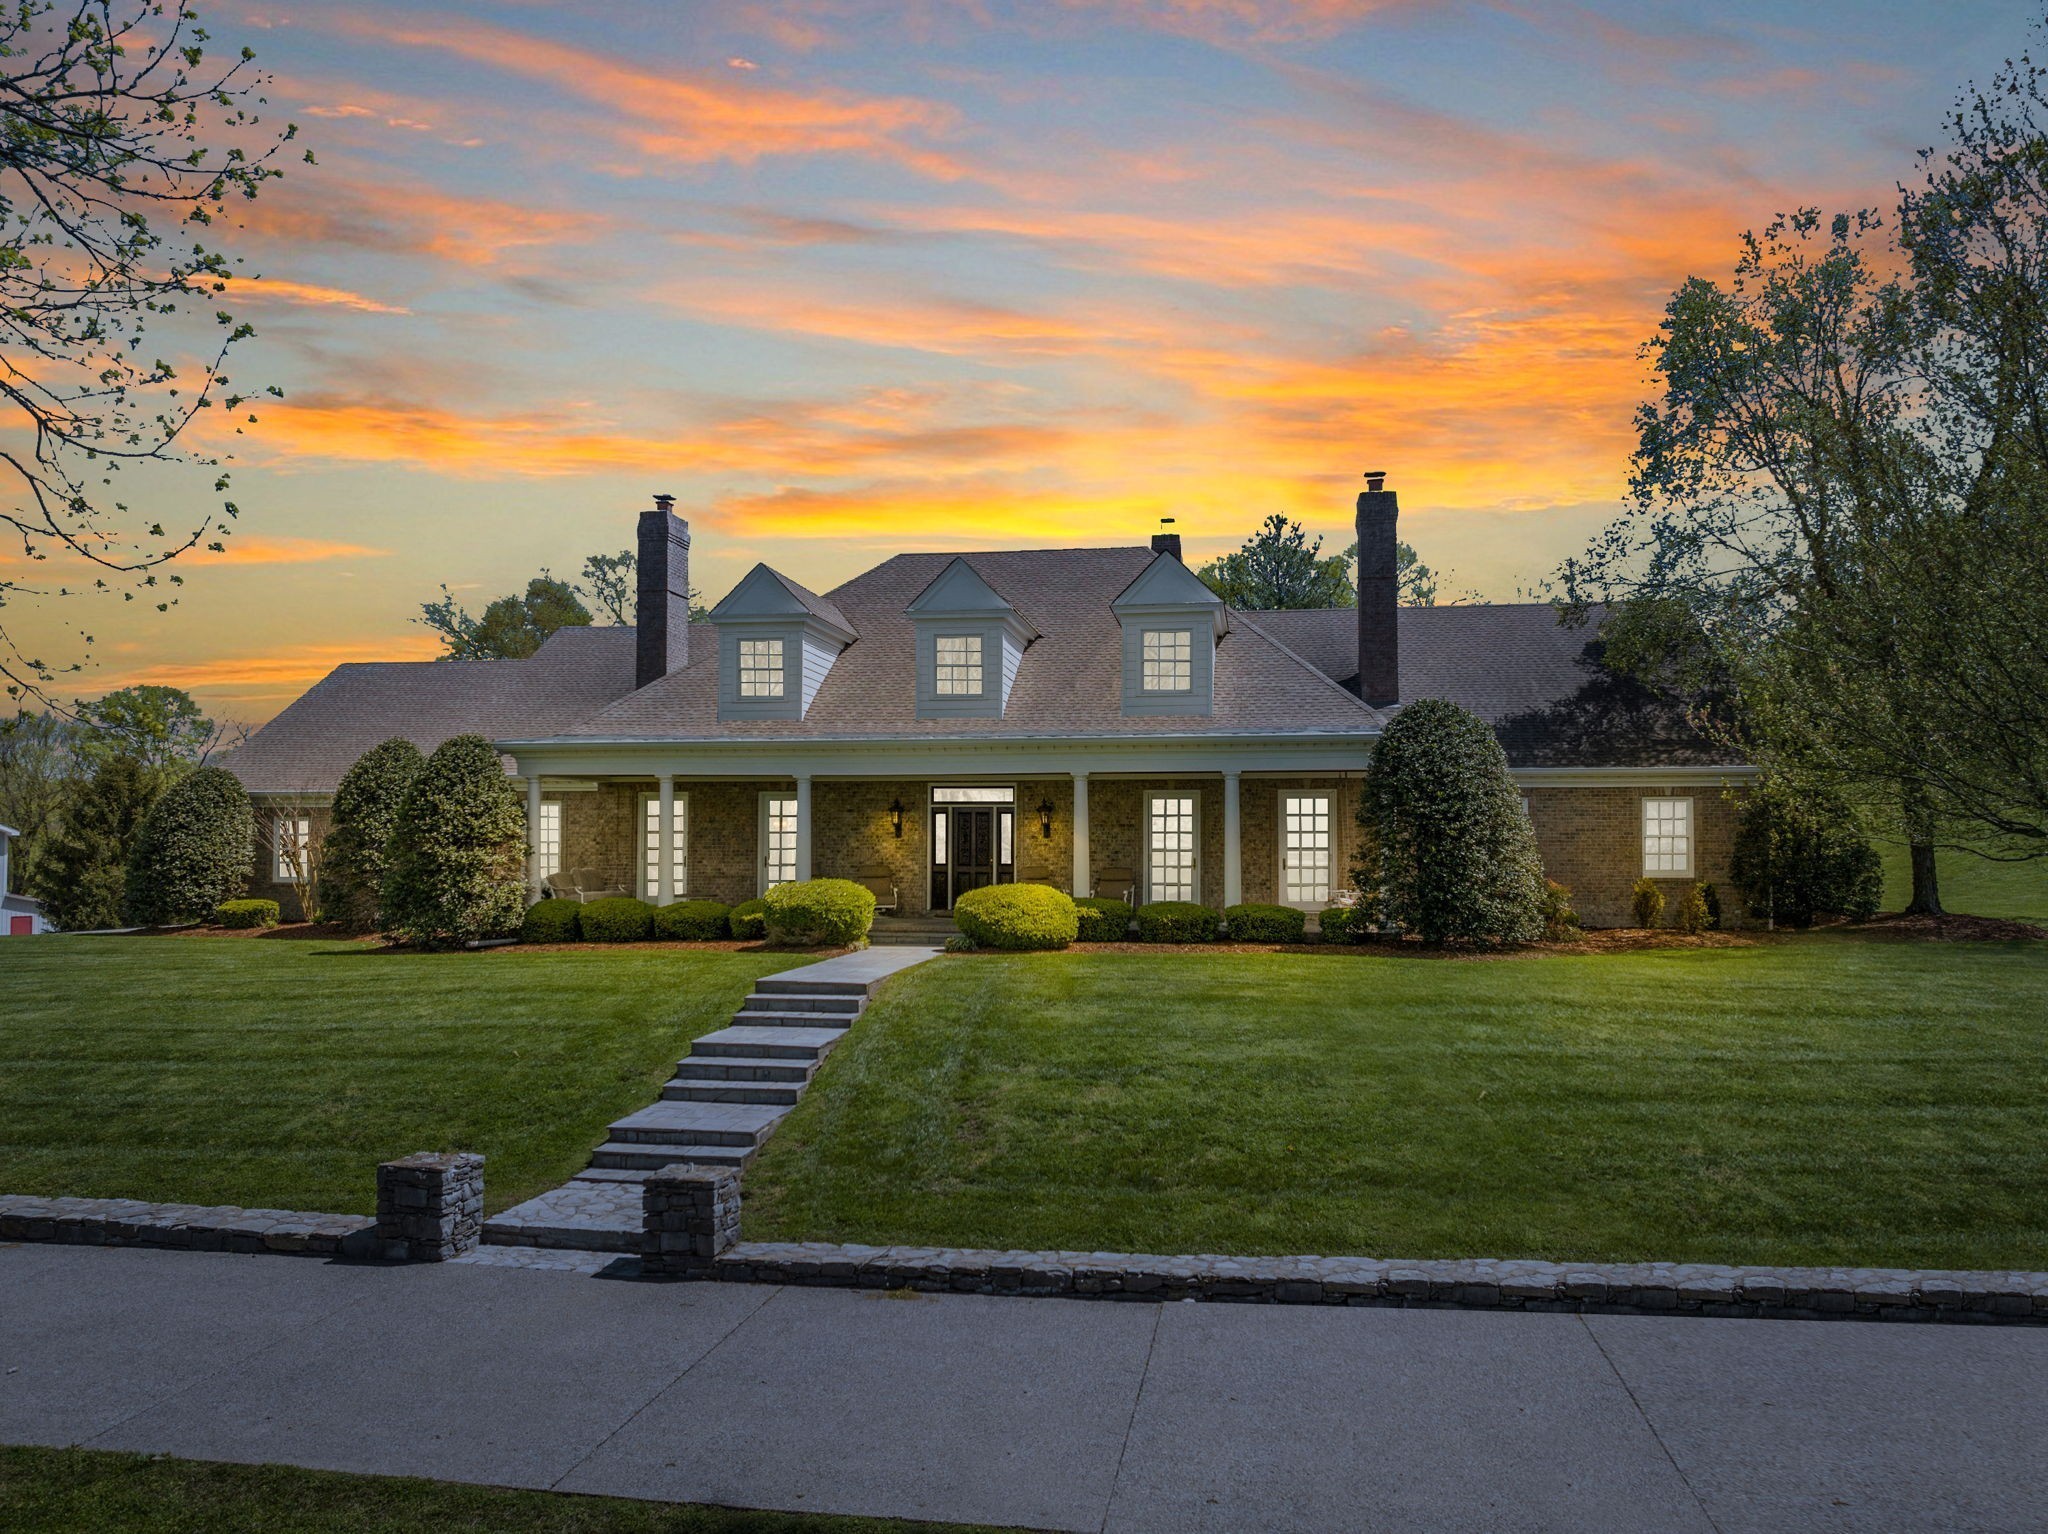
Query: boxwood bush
x=1020, y=917
x=549, y=921
x=816, y=913
x=1646, y=903
x=1103, y=921
x=1177, y=921
x=192, y=850
x=455, y=869
x=1342, y=924
x=1253, y=923
x=617, y=919
x=749, y=920
x=692, y=921
x=246, y=913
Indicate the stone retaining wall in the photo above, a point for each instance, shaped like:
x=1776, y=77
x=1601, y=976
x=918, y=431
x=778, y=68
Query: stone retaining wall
x=182, y=1227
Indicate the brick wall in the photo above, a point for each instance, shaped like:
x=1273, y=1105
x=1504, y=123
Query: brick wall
x=1259, y=814
x=1591, y=841
x=1116, y=826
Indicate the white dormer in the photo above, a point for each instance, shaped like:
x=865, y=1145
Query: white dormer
x=776, y=642
x=969, y=643
x=1171, y=623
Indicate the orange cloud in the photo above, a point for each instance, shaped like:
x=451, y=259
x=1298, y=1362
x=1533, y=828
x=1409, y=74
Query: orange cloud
x=394, y=217
x=283, y=290
x=280, y=551
x=276, y=671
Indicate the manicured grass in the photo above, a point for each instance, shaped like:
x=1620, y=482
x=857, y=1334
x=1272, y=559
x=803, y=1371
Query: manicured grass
x=1825, y=1099
x=60, y=1491
x=278, y=1073
x=1973, y=886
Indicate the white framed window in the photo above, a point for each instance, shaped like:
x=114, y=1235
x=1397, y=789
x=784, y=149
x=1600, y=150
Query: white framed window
x=650, y=847
x=1167, y=660
x=761, y=668
x=957, y=662
x=1307, y=850
x=1667, y=838
x=291, y=843
x=778, y=840
x=547, y=837
x=1173, y=846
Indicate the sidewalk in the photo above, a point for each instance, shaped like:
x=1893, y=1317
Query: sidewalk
x=1040, y=1413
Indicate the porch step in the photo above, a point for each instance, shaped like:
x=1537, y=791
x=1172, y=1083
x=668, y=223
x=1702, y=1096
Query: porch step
x=771, y=1017
x=618, y=1156
x=710, y=1068
x=936, y=938
x=795, y=985
x=579, y=1216
x=688, y=1090
x=696, y=1123
x=776, y=1043
x=852, y=1005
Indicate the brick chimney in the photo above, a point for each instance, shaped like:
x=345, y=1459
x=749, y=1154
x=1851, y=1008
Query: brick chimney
x=1164, y=542
x=661, y=641
x=1379, y=637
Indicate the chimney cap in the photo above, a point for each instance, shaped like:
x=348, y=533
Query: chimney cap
x=1375, y=480
x=664, y=503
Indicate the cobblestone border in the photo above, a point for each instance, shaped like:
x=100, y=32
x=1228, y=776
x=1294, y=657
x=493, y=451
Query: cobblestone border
x=182, y=1227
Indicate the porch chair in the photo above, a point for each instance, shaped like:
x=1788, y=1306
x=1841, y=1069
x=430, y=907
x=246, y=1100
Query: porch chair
x=586, y=884
x=880, y=883
x=1117, y=884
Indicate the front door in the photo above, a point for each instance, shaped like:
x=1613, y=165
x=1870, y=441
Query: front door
x=970, y=848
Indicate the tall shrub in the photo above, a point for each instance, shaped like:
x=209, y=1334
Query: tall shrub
x=353, y=856
x=1799, y=854
x=83, y=876
x=455, y=869
x=1445, y=844
x=193, y=850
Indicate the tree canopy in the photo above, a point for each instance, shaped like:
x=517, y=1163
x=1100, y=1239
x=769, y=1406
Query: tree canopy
x=1280, y=567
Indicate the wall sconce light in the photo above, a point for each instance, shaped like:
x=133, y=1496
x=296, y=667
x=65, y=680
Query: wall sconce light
x=896, y=817
x=1045, y=818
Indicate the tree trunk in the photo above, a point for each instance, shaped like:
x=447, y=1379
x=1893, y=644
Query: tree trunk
x=1926, y=899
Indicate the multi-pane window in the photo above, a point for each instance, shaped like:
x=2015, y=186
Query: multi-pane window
x=650, y=848
x=1306, y=849
x=1172, y=857
x=958, y=659
x=760, y=668
x=291, y=842
x=778, y=841
x=1667, y=838
x=1168, y=663
x=547, y=837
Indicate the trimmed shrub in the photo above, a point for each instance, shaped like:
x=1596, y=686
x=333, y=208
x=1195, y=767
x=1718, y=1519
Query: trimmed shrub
x=455, y=869
x=1445, y=850
x=960, y=942
x=1691, y=915
x=1019, y=917
x=192, y=850
x=549, y=921
x=1177, y=921
x=817, y=913
x=1560, y=921
x=1712, y=897
x=692, y=921
x=1799, y=855
x=81, y=880
x=246, y=913
x=1251, y=923
x=1646, y=902
x=353, y=853
x=749, y=920
x=1342, y=924
x=616, y=919
x=1102, y=921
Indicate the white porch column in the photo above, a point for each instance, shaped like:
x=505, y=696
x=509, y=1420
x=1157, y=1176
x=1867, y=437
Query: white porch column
x=665, y=853
x=1233, y=844
x=533, y=868
x=1081, y=867
x=803, y=825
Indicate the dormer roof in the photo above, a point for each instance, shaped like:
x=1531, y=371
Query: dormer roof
x=959, y=591
x=765, y=592
x=1166, y=585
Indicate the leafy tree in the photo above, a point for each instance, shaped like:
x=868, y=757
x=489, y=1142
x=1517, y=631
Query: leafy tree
x=124, y=142
x=353, y=857
x=163, y=728
x=1279, y=567
x=1798, y=854
x=82, y=877
x=1418, y=584
x=40, y=773
x=511, y=628
x=192, y=850
x=456, y=866
x=1446, y=851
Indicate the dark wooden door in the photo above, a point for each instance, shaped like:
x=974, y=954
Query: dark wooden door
x=973, y=850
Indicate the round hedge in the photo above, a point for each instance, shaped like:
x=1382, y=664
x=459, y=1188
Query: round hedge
x=246, y=913
x=616, y=919
x=549, y=921
x=456, y=867
x=1342, y=924
x=816, y=913
x=354, y=851
x=1103, y=921
x=749, y=920
x=1019, y=917
x=1177, y=921
x=192, y=851
x=1253, y=923
x=692, y=921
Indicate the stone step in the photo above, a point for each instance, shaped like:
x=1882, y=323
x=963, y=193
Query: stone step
x=743, y=1068
x=578, y=1216
x=617, y=1156
x=812, y=1001
x=685, y=1091
x=783, y=1043
x=696, y=1123
x=912, y=939
x=771, y=1018
x=796, y=985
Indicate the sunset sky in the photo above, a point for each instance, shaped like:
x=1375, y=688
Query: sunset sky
x=851, y=278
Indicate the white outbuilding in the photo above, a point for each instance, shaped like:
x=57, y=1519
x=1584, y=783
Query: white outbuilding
x=19, y=915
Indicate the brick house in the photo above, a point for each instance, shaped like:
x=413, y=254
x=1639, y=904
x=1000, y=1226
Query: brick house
x=1094, y=719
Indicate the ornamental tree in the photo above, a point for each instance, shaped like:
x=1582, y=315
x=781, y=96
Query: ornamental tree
x=455, y=866
x=192, y=851
x=353, y=856
x=1799, y=854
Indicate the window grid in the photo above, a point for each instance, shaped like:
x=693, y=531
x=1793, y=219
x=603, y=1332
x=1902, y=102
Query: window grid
x=650, y=848
x=958, y=665
x=778, y=842
x=1171, y=848
x=292, y=840
x=1168, y=663
x=760, y=668
x=1667, y=838
x=1305, y=849
x=547, y=838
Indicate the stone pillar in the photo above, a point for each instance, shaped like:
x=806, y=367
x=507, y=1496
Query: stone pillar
x=1083, y=885
x=430, y=1206
x=665, y=853
x=689, y=1214
x=803, y=825
x=533, y=868
x=1233, y=843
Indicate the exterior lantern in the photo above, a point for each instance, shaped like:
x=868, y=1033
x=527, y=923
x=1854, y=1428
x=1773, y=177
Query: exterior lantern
x=1045, y=818
x=896, y=817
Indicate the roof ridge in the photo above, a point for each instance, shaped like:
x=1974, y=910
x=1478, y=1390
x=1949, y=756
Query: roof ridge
x=1312, y=669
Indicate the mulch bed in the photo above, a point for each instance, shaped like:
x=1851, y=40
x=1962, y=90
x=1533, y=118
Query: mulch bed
x=291, y=931
x=670, y=945
x=1954, y=929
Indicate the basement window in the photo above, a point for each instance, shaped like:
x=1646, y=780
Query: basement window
x=1667, y=838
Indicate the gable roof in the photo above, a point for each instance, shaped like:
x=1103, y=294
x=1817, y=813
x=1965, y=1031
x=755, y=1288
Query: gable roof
x=765, y=590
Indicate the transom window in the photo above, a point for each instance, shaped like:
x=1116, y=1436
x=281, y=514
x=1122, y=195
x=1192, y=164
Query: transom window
x=1667, y=838
x=547, y=837
x=760, y=668
x=291, y=841
x=1168, y=660
x=650, y=847
x=1305, y=849
x=958, y=658
x=1172, y=847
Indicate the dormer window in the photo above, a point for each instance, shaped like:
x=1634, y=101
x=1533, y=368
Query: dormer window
x=776, y=645
x=970, y=642
x=957, y=665
x=761, y=668
x=1167, y=663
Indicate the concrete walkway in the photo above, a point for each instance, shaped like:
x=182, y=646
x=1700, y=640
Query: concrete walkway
x=1039, y=1413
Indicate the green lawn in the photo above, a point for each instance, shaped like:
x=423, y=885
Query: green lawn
x=1973, y=886
x=278, y=1073
x=1826, y=1099
x=61, y=1491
